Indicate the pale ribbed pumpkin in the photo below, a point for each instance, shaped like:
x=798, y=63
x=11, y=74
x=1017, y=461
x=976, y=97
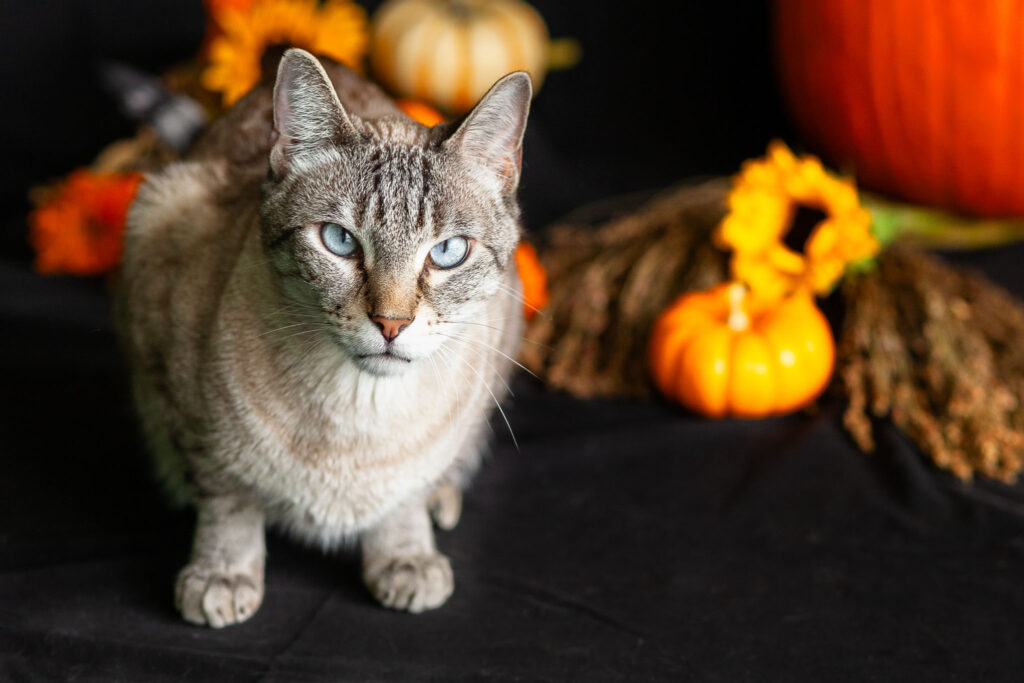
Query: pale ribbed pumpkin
x=721, y=355
x=449, y=52
x=919, y=98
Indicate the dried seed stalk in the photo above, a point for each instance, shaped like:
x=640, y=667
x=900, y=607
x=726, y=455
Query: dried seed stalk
x=939, y=351
x=610, y=280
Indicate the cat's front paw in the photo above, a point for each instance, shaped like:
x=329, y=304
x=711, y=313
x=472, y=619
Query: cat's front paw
x=414, y=583
x=217, y=598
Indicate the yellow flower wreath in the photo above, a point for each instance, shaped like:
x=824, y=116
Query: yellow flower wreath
x=765, y=197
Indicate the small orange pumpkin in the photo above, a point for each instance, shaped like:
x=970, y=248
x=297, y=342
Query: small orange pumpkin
x=719, y=354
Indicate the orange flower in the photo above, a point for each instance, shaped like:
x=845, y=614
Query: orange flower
x=336, y=29
x=80, y=229
x=534, y=279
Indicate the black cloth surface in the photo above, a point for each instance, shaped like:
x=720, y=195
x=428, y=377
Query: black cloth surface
x=624, y=540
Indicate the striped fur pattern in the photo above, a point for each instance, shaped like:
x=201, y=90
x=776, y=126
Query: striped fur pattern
x=263, y=369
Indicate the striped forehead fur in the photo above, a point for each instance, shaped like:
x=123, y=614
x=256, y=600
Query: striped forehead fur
x=397, y=181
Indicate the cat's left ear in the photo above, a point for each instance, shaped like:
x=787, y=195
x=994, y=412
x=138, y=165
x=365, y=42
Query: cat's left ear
x=307, y=112
x=491, y=135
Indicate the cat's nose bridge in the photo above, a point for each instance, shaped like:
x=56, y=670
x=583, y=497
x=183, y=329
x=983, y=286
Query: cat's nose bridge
x=392, y=297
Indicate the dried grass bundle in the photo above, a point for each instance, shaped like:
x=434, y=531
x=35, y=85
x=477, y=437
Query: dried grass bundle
x=939, y=350
x=610, y=277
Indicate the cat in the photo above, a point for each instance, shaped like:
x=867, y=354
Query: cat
x=320, y=308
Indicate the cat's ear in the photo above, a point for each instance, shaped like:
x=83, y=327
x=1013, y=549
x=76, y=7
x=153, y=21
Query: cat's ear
x=307, y=112
x=491, y=135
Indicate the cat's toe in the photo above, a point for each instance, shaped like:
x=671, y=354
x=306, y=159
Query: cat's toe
x=445, y=506
x=413, y=584
x=216, y=598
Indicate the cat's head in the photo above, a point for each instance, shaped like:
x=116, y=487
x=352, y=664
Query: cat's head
x=393, y=232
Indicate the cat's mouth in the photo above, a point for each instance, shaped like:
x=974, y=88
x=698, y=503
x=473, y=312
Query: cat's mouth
x=386, y=356
x=383, y=364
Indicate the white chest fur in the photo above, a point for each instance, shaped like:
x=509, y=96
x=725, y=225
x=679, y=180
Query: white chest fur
x=329, y=457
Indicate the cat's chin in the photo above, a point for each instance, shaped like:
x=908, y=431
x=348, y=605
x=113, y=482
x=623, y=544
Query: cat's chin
x=383, y=364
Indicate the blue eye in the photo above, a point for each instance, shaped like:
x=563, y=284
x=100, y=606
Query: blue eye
x=338, y=240
x=450, y=253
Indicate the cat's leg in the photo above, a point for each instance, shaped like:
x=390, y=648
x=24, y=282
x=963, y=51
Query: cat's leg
x=445, y=505
x=401, y=566
x=445, y=501
x=223, y=582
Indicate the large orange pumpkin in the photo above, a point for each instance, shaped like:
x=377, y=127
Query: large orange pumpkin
x=717, y=355
x=920, y=98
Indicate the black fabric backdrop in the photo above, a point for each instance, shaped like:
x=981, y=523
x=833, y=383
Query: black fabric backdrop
x=623, y=541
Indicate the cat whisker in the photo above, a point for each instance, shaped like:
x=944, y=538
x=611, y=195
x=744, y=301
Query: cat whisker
x=449, y=366
x=496, y=350
x=314, y=343
x=466, y=322
x=293, y=307
x=285, y=327
x=490, y=368
x=299, y=334
x=301, y=360
x=292, y=314
x=332, y=369
x=500, y=329
x=519, y=297
x=437, y=375
x=462, y=376
x=496, y=403
x=502, y=318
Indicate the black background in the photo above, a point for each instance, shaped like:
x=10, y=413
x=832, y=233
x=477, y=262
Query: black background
x=659, y=95
x=624, y=541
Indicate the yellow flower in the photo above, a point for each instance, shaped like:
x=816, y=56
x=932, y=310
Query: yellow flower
x=336, y=29
x=764, y=200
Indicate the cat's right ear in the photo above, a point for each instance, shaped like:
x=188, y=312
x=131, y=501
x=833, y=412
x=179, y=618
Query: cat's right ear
x=307, y=113
x=491, y=136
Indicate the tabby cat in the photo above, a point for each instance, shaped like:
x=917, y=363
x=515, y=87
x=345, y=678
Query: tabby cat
x=320, y=306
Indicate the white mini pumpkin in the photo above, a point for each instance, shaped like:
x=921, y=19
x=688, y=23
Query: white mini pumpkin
x=449, y=52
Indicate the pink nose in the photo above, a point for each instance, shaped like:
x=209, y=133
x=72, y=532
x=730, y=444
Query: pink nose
x=390, y=327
